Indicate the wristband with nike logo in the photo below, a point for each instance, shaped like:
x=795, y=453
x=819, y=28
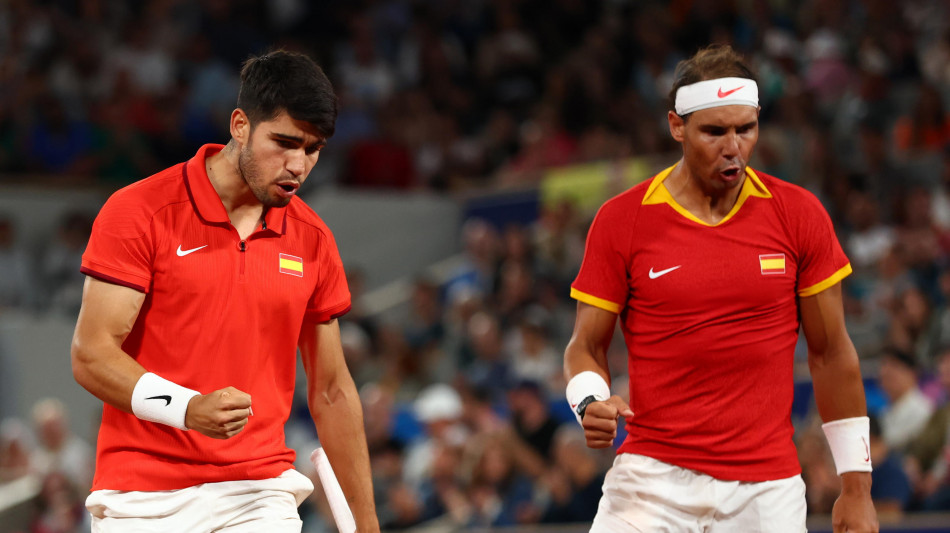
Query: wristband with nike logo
x=849, y=440
x=158, y=400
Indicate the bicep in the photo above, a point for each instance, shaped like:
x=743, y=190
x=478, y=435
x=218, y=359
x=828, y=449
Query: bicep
x=823, y=322
x=321, y=350
x=108, y=312
x=593, y=332
x=594, y=325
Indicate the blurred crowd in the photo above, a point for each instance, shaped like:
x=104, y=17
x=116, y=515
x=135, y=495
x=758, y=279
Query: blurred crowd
x=463, y=392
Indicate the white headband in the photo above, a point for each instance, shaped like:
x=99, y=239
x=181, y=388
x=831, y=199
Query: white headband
x=715, y=93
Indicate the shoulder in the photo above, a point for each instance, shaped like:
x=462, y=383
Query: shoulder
x=130, y=210
x=305, y=218
x=625, y=205
x=792, y=198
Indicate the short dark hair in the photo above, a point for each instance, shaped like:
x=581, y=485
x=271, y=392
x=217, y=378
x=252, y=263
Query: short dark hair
x=715, y=61
x=287, y=81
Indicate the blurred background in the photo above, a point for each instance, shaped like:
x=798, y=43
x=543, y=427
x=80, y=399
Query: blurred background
x=475, y=141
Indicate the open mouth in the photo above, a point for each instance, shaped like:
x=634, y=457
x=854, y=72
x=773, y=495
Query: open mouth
x=731, y=173
x=287, y=188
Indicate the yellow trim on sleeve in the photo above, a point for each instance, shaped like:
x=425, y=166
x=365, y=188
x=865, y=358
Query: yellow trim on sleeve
x=842, y=273
x=606, y=305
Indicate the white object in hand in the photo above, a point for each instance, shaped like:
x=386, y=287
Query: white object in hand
x=342, y=514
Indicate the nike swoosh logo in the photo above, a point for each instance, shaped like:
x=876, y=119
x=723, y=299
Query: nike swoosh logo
x=183, y=253
x=722, y=94
x=867, y=451
x=654, y=275
x=167, y=398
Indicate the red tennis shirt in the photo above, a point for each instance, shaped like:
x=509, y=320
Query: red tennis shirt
x=710, y=319
x=218, y=312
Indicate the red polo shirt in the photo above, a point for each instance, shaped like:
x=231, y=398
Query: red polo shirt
x=710, y=318
x=218, y=312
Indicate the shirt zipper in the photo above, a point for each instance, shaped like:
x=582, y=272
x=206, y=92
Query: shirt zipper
x=243, y=248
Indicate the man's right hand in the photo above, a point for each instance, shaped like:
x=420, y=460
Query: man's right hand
x=221, y=414
x=600, y=421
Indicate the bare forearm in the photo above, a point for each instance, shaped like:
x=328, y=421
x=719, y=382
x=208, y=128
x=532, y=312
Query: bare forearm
x=338, y=416
x=580, y=356
x=107, y=372
x=839, y=391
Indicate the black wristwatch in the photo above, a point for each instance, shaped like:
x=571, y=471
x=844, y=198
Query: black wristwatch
x=582, y=407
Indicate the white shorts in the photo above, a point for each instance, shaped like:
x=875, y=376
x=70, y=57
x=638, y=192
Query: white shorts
x=642, y=494
x=229, y=506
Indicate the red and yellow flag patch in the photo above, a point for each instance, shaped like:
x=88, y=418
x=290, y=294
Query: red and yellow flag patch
x=291, y=264
x=772, y=263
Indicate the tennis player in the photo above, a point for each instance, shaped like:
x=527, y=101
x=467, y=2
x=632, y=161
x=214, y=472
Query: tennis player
x=202, y=283
x=712, y=268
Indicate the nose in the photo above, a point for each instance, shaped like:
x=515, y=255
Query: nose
x=297, y=163
x=730, y=147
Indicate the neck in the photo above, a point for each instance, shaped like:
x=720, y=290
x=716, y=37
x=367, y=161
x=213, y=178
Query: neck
x=244, y=209
x=225, y=176
x=710, y=206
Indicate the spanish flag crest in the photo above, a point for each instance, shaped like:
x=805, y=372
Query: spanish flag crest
x=772, y=263
x=291, y=264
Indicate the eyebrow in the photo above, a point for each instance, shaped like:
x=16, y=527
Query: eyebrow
x=299, y=140
x=720, y=126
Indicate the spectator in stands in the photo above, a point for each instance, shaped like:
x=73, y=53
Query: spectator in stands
x=531, y=417
x=58, y=142
x=16, y=442
x=481, y=253
x=423, y=326
x=60, y=263
x=485, y=363
x=59, y=449
x=869, y=239
x=16, y=284
x=533, y=358
x=926, y=129
x=576, y=479
x=908, y=409
x=891, y=490
x=929, y=453
x=61, y=506
x=439, y=408
x=501, y=494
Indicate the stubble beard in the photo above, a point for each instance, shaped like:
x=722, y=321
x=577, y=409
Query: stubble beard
x=247, y=166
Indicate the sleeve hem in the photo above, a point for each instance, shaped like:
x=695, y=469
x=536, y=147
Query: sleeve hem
x=113, y=280
x=606, y=305
x=325, y=315
x=842, y=273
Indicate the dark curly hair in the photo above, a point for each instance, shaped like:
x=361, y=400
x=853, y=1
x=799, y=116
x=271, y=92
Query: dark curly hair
x=287, y=81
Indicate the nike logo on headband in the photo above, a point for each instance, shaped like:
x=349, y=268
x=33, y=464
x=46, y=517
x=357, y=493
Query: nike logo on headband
x=722, y=94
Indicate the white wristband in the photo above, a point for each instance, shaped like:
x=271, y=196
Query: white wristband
x=158, y=400
x=849, y=439
x=586, y=384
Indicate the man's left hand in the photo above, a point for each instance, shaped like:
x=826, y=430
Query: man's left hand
x=853, y=511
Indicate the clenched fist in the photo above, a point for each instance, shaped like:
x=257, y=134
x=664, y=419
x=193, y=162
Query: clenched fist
x=221, y=414
x=600, y=421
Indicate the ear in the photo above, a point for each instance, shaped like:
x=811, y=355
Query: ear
x=240, y=127
x=677, y=126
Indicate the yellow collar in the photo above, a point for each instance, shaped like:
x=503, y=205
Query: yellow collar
x=658, y=194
